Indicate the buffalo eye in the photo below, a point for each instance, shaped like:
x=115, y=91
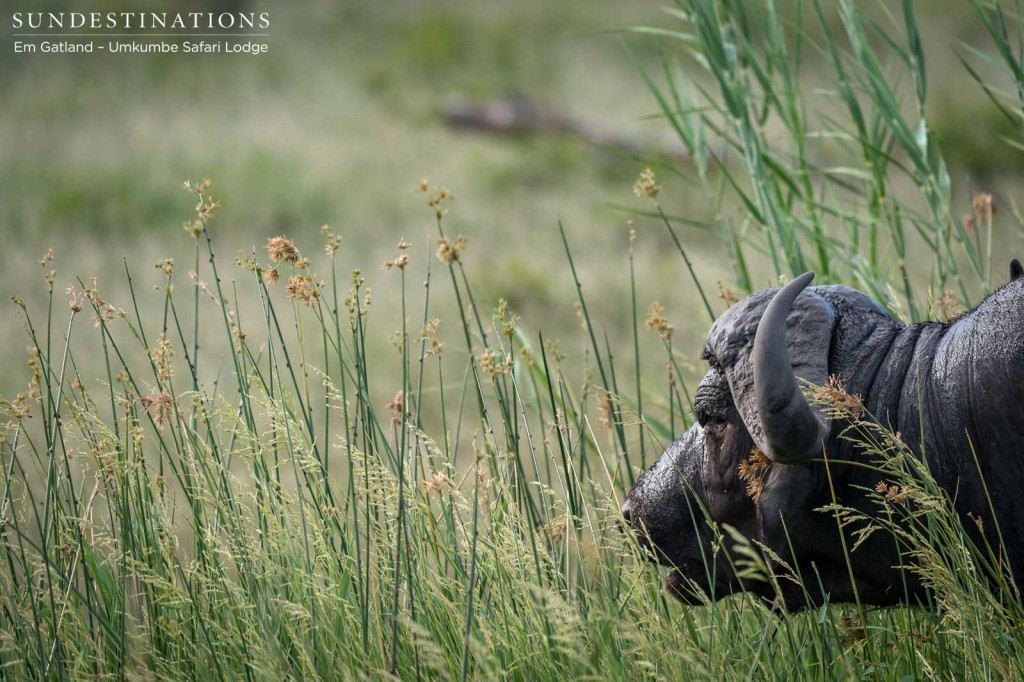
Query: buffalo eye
x=708, y=419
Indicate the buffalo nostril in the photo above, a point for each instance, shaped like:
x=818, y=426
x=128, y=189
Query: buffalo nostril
x=626, y=510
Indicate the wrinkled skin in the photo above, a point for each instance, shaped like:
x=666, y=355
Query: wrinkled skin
x=946, y=388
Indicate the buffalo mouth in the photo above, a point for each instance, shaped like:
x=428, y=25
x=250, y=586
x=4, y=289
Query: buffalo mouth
x=693, y=591
x=694, y=583
x=687, y=579
x=675, y=583
x=679, y=582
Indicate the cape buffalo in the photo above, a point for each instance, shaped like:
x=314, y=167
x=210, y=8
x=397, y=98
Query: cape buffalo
x=954, y=391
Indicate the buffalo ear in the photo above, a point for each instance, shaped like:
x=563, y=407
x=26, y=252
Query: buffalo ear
x=1016, y=269
x=808, y=341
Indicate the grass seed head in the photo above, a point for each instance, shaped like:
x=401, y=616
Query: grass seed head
x=449, y=251
x=842, y=404
x=495, y=363
x=436, y=200
x=727, y=294
x=428, y=337
x=397, y=407
x=657, y=322
x=978, y=521
x=506, y=318
x=75, y=299
x=165, y=266
x=892, y=493
x=160, y=406
x=193, y=227
x=282, y=250
x=753, y=471
x=984, y=207
x=400, y=262
x=197, y=188
x=246, y=261
x=557, y=529
x=303, y=288
x=333, y=240
x=605, y=412
x=438, y=483
x=947, y=307
x=162, y=356
x=646, y=186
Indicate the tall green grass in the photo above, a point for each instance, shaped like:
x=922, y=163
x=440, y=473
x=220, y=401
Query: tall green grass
x=276, y=512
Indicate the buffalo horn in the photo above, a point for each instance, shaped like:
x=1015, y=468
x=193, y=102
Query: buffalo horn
x=793, y=431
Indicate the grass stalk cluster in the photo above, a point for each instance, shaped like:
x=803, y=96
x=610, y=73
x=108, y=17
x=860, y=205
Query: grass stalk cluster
x=275, y=513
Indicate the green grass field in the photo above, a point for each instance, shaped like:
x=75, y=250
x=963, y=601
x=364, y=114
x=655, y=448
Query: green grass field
x=289, y=468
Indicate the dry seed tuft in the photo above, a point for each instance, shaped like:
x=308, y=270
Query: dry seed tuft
x=163, y=357
x=495, y=363
x=605, y=412
x=160, y=406
x=245, y=261
x=984, y=207
x=165, y=266
x=206, y=207
x=557, y=529
x=438, y=482
x=397, y=407
x=657, y=322
x=282, y=250
x=75, y=299
x=506, y=318
x=646, y=186
x=947, y=307
x=333, y=240
x=303, y=288
x=197, y=188
x=892, y=493
x=436, y=199
x=428, y=336
x=834, y=394
x=193, y=227
x=753, y=471
x=727, y=294
x=399, y=262
x=449, y=251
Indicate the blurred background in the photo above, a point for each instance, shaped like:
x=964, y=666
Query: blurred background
x=356, y=102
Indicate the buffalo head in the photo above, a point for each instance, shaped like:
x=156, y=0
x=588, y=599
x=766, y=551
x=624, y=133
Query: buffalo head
x=751, y=412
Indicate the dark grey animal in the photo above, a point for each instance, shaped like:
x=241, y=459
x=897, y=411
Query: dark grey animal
x=947, y=388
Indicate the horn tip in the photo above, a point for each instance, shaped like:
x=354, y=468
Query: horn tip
x=805, y=279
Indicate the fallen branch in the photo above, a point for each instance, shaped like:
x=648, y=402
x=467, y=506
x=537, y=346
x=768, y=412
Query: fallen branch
x=522, y=116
